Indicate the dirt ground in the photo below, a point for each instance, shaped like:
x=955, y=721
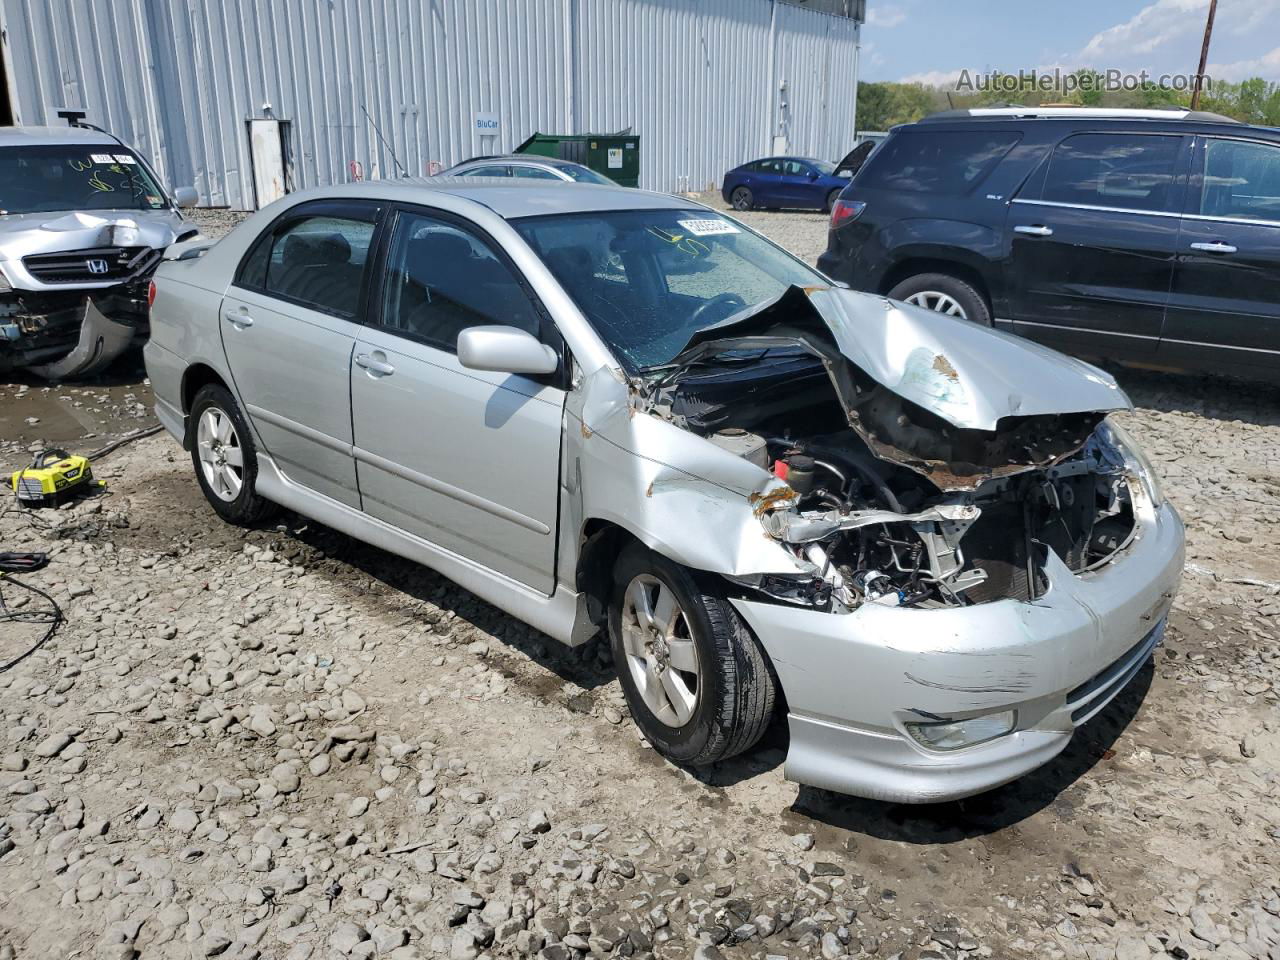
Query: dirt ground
x=284, y=743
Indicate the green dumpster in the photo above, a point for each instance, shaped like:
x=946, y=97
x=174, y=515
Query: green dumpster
x=616, y=155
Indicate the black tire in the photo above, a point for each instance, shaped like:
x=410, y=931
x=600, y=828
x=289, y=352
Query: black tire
x=970, y=300
x=832, y=197
x=245, y=508
x=735, y=689
x=742, y=198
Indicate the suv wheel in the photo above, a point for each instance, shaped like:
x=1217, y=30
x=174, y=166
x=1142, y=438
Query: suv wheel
x=742, y=198
x=224, y=457
x=696, y=681
x=945, y=294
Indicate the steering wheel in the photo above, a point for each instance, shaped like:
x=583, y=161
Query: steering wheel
x=731, y=300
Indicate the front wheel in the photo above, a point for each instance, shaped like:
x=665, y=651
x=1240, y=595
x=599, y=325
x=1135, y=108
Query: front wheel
x=946, y=294
x=695, y=679
x=742, y=199
x=224, y=457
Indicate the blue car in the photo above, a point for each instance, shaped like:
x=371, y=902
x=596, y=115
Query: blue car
x=785, y=182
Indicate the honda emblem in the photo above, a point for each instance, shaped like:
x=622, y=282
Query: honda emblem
x=97, y=266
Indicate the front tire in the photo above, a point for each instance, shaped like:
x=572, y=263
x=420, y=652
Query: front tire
x=696, y=681
x=225, y=459
x=742, y=198
x=944, y=294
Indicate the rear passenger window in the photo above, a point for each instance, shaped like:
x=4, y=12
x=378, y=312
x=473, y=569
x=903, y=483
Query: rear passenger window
x=1131, y=171
x=1241, y=181
x=943, y=161
x=318, y=262
x=442, y=279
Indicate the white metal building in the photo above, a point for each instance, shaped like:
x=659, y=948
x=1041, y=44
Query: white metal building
x=338, y=89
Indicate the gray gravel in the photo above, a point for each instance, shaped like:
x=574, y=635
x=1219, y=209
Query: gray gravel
x=282, y=743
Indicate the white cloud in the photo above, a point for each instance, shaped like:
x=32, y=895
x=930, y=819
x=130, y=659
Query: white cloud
x=934, y=78
x=1149, y=29
x=885, y=16
x=1266, y=66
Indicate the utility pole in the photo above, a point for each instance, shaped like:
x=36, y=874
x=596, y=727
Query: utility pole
x=1204, y=55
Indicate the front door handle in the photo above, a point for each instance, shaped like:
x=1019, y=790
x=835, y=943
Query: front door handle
x=239, y=318
x=374, y=365
x=1035, y=231
x=1216, y=246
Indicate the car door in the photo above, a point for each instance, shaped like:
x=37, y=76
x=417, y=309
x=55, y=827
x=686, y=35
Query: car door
x=289, y=323
x=1091, y=240
x=766, y=184
x=1224, y=312
x=796, y=185
x=466, y=459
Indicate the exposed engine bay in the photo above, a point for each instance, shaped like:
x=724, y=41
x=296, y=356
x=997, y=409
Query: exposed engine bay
x=886, y=502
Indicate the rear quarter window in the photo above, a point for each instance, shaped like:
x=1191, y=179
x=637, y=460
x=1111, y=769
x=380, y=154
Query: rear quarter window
x=938, y=162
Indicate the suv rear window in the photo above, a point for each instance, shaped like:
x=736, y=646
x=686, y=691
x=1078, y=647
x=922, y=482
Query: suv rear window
x=938, y=161
x=1131, y=171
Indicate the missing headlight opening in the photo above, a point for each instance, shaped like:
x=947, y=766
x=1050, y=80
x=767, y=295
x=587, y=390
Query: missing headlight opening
x=885, y=502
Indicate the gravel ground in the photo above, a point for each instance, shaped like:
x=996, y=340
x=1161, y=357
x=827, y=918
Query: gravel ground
x=283, y=743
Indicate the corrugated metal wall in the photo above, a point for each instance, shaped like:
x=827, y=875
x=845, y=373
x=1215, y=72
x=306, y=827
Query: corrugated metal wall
x=373, y=87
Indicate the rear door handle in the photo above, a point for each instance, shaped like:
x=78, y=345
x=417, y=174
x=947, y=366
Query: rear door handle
x=1034, y=231
x=1216, y=246
x=374, y=365
x=239, y=318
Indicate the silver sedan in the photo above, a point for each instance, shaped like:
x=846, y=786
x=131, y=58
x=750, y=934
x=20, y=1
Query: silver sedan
x=610, y=410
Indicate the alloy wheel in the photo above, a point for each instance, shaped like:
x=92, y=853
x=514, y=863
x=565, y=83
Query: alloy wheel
x=660, y=651
x=939, y=302
x=221, y=456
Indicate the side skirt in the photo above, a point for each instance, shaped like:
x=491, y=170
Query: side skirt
x=562, y=616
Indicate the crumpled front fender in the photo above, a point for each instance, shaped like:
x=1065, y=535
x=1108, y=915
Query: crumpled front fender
x=702, y=514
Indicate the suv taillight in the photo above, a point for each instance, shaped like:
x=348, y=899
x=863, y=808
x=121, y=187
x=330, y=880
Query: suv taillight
x=846, y=211
x=151, y=294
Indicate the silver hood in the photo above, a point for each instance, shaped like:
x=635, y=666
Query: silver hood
x=22, y=235
x=970, y=376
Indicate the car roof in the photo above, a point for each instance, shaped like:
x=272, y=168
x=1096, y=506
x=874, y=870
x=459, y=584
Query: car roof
x=46, y=136
x=507, y=199
x=521, y=158
x=1079, y=113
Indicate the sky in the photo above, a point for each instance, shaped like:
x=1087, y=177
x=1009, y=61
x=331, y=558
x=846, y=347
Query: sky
x=931, y=41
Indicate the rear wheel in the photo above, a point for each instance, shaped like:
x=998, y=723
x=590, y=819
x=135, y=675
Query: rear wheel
x=742, y=198
x=224, y=457
x=832, y=197
x=695, y=679
x=946, y=294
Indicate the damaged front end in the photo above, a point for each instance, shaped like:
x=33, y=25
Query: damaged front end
x=73, y=289
x=916, y=461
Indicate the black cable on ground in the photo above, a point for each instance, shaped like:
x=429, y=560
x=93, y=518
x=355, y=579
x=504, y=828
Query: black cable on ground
x=52, y=616
x=127, y=438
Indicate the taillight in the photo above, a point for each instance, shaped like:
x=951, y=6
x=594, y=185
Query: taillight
x=151, y=294
x=846, y=211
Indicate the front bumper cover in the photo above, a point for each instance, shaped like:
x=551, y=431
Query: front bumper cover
x=851, y=681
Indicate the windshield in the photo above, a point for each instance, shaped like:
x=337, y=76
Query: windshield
x=586, y=175
x=823, y=167
x=647, y=280
x=44, y=179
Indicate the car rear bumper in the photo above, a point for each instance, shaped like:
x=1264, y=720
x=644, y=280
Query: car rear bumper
x=853, y=681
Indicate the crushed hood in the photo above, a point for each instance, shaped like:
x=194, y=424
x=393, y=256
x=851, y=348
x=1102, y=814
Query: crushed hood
x=970, y=376
x=22, y=235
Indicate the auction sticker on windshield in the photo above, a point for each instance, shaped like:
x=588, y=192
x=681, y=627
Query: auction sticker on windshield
x=101, y=158
x=708, y=228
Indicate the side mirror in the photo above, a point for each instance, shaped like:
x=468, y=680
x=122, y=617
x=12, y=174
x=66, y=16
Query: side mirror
x=504, y=349
x=813, y=174
x=185, y=197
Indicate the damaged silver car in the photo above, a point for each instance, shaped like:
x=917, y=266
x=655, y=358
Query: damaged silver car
x=83, y=223
x=603, y=409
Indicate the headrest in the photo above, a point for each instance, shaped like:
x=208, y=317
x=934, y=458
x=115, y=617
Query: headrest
x=311, y=249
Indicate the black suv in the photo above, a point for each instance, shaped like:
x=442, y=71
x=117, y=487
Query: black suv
x=1150, y=237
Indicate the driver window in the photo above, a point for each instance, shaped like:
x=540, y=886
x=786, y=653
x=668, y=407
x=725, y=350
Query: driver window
x=442, y=279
